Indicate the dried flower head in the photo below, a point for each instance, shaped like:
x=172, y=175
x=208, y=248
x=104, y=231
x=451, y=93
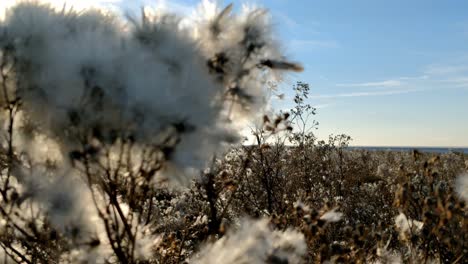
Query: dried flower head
x=461, y=186
x=255, y=242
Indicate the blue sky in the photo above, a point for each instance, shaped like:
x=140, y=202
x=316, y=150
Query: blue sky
x=388, y=73
x=391, y=73
x=384, y=72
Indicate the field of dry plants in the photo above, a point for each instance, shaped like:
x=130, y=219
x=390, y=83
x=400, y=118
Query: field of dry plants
x=352, y=206
x=121, y=142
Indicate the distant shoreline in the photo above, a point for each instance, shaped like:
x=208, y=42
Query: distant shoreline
x=422, y=149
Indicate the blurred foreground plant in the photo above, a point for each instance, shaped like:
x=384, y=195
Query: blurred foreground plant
x=97, y=112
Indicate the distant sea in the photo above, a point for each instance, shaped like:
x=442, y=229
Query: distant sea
x=421, y=149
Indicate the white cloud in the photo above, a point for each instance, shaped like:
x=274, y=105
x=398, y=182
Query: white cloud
x=395, y=82
x=457, y=82
x=422, y=77
x=322, y=106
x=434, y=78
x=449, y=75
x=363, y=94
x=446, y=69
x=387, y=83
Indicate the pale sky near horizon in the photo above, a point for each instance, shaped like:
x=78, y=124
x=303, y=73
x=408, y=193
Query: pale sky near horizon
x=387, y=73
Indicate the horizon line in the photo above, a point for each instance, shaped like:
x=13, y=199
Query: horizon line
x=386, y=146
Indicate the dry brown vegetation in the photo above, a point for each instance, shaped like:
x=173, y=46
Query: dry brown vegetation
x=295, y=185
x=396, y=206
x=352, y=206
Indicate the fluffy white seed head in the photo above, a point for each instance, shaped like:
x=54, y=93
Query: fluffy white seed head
x=82, y=74
x=461, y=186
x=255, y=242
x=332, y=216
